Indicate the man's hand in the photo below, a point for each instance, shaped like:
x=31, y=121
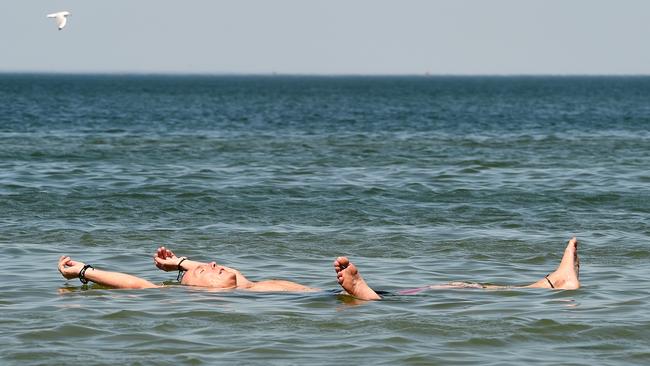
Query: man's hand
x=70, y=269
x=166, y=260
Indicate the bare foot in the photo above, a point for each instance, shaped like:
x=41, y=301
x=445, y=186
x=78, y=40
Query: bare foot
x=349, y=278
x=566, y=276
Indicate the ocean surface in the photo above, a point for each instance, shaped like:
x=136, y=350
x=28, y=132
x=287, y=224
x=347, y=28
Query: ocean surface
x=419, y=180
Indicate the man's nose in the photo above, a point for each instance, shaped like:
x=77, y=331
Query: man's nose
x=213, y=264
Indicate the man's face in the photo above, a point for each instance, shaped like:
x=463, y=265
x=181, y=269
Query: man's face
x=210, y=275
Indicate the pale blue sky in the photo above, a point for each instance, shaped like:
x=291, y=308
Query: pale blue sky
x=329, y=36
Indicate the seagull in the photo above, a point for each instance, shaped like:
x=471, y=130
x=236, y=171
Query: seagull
x=61, y=18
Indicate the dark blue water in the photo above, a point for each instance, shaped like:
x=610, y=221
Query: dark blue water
x=420, y=180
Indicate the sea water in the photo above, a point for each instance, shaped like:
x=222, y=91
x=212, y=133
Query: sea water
x=418, y=180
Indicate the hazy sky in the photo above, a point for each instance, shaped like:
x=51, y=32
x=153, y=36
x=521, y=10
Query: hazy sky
x=329, y=36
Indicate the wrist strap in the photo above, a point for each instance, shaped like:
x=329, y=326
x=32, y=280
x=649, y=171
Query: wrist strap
x=82, y=274
x=180, y=270
x=179, y=264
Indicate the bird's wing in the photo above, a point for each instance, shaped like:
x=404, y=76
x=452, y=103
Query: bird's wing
x=53, y=15
x=61, y=20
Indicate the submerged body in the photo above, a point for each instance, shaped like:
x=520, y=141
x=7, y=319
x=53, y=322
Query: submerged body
x=214, y=276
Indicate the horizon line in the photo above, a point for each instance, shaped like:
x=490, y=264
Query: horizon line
x=281, y=74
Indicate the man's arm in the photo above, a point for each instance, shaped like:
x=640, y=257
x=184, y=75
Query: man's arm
x=166, y=260
x=70, y=269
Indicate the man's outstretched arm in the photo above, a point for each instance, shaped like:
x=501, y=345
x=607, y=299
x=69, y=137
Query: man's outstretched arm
x=71, y=269
x=166, y=260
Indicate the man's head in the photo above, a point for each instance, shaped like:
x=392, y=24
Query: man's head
x=210, y=275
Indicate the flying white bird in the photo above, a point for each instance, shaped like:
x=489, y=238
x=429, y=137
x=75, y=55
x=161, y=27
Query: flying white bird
x=61, y=18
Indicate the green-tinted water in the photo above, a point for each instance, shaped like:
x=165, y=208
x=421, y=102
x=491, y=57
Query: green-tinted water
x=418, y=180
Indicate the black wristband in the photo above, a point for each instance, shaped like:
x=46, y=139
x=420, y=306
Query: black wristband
x=179, y=264
x=180, y=270
x=82, y=274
